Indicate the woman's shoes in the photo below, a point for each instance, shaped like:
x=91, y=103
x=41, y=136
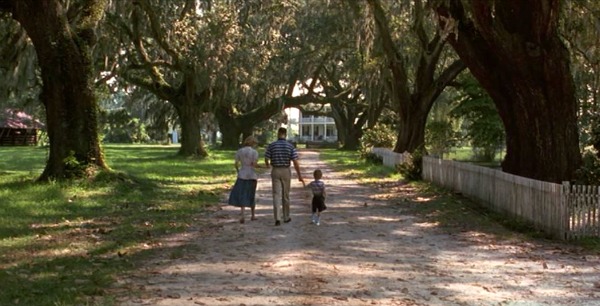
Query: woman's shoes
x=242, y=220
x=253, y=218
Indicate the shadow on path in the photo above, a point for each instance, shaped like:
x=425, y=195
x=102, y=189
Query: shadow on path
x=366, y=252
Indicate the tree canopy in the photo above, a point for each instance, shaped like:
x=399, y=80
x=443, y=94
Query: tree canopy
x=237, y=64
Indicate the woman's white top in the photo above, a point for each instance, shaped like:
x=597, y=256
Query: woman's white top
x=247, y=156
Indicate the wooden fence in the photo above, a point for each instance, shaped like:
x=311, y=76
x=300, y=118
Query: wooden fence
x=563, y=211
x=584, y=210
x=390, y=158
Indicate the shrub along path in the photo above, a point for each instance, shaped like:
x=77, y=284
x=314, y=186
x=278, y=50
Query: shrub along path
x=369, y=250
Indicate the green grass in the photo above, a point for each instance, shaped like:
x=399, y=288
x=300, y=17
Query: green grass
x=65, y=244
x=350, y=164
x=465, y=154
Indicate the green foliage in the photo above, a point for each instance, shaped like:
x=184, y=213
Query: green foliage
x=121, y=127
x=589, y=172
x=440, y=137
x=483, y=126
x=412, y=168
x=372, y=158
x=580, y=33
x=593, y=131
x=73, y=168
x=349, y=163
x=380, y=136
x=63, y=243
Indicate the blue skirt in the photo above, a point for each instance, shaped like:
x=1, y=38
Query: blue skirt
x=243, y=193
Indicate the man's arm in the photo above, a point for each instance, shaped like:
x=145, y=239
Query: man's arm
x=297, y=167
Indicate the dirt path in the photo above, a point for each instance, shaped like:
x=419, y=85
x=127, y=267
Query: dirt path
x=366, y=252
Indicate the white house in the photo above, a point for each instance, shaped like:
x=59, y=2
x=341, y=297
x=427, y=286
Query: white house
x=310, y=128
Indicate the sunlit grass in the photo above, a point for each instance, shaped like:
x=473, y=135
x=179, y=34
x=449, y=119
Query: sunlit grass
x=466, y=154
x=65, y=243
x=350, y=163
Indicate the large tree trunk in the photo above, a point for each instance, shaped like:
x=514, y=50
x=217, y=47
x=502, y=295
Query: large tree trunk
x=352, y=139
x=67, y=93
x=350, y=118
x=229, y=127
x=513, y=49
x=231, y=132
x=230, y=136
x=191, y=138
x=411, y=134
x=349, y=133
x=234, y=124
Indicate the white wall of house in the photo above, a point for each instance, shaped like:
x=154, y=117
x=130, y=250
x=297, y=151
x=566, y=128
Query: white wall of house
x=310, y=128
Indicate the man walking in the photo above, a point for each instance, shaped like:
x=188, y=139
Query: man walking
x=280, y=154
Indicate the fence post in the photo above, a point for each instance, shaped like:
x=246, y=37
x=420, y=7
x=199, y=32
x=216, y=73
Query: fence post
x=565, y=211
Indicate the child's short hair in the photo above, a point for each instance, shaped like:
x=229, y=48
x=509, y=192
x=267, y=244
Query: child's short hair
x=318, y=174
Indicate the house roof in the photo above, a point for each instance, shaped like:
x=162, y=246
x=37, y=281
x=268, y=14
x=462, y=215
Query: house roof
x=17, y=119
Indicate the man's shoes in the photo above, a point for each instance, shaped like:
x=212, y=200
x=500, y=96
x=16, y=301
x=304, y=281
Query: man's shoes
x=288, y=220
x=277, y=223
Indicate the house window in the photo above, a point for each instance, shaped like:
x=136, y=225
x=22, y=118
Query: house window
x=331, y=131
x=306, y=130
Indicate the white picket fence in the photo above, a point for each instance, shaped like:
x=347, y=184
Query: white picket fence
x=390, y=158
x=583, y=203
x=563, y=211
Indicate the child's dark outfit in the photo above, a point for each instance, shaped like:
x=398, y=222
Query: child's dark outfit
x=318, y=200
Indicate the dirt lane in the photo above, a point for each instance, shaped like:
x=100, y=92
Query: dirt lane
x=366, y=252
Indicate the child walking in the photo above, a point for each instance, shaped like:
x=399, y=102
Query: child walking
x=319, y=194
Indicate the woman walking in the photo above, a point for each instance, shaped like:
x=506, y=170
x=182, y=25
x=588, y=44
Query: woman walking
x=244, y=190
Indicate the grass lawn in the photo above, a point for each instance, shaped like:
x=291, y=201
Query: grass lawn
x=466, y=154
x=61, y=244
x=350, y=164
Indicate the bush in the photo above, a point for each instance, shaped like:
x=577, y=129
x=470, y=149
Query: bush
x=440, y=137
x=412, y=168
x=381, y=136
x=121, y=127
x=373, y=158
x=589, y=172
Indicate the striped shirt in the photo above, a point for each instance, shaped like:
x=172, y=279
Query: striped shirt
x=317, y=187
x=281, y=153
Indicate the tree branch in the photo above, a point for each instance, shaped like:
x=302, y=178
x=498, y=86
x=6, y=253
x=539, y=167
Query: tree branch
x=158, y=33
x=400, y=84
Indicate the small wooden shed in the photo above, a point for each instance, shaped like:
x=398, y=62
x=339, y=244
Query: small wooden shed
x=18, y=128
